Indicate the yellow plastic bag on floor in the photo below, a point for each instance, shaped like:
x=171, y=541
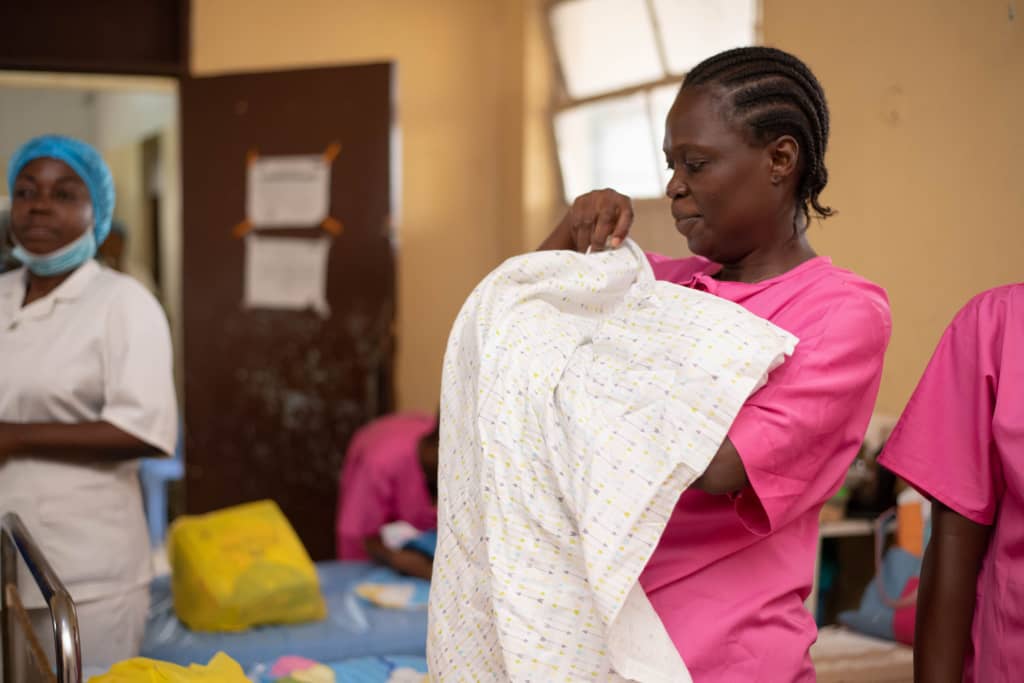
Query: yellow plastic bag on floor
x=240, y=567
x=221, y=669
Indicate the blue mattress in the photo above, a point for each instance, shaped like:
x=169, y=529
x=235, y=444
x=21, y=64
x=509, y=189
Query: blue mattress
x=353, y=627
x=380, y=669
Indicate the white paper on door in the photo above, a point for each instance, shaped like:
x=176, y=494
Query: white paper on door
x=288, y=191
x=287, y=273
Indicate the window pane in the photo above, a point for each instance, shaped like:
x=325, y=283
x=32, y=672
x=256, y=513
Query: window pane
x=608, y=144
x=692, y=30
x=604, y=45
x=661, y=99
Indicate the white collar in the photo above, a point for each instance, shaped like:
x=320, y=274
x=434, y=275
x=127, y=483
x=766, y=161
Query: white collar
x=69, y=290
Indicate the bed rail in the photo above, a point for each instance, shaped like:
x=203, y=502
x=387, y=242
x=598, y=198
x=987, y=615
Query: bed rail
x=15, y=540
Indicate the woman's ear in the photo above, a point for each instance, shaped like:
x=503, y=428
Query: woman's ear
x=784, y=156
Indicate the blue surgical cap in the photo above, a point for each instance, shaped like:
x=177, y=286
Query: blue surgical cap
x=83, y=160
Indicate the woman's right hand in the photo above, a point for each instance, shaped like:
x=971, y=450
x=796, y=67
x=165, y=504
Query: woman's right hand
x=594, y=219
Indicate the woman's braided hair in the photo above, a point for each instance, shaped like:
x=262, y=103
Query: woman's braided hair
x=772, y=93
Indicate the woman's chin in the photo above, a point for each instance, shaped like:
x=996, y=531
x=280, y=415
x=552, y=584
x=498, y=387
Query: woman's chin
x=698, y=246
x=696, y=237
x=40, y=246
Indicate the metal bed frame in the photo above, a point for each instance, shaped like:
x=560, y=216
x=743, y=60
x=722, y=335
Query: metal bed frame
x=15, y=540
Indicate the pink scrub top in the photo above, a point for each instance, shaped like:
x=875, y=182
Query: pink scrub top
x=731, y=573
x=961, y=441
x=382, y=482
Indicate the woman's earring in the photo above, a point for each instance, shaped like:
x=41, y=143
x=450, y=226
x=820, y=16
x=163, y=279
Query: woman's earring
x=775, y=180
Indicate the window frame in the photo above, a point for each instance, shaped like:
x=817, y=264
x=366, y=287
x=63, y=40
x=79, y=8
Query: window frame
x=563, y=101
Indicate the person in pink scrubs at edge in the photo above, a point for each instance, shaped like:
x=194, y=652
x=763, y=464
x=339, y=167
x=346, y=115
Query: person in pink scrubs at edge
x=389, y=475
x=960, y=441
x=745, y=143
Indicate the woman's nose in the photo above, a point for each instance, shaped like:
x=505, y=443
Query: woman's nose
x=40, y=204
x=676, y=187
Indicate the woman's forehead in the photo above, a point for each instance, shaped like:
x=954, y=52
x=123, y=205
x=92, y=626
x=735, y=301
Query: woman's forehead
x=46, y=169
x=698, y=119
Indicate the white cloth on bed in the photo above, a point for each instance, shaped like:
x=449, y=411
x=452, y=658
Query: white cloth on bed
x=580, y=398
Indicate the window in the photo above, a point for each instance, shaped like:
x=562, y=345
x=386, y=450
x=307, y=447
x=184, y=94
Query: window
x=621, y=63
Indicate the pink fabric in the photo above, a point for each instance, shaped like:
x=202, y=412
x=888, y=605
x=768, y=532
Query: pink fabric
x=730, y=574
x=961, y=441
x=382, y=482
x=289, y=664
x=903, y=618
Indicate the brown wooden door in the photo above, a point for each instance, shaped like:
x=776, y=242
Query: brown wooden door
x=273, y=396
x=110, y=36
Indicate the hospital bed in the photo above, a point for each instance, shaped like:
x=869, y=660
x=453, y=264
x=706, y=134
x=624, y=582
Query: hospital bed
x=17, y=637
x=359, y=641
x=353, y=627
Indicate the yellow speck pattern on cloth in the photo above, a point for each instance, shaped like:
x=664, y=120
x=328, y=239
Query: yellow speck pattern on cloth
x=580, y=397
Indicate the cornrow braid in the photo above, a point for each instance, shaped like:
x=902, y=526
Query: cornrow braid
x=772, y=93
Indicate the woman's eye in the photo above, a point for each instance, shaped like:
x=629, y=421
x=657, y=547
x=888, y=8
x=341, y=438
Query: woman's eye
x=695, y=166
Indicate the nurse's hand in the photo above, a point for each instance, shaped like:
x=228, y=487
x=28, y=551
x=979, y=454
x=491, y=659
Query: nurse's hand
x=594, y=219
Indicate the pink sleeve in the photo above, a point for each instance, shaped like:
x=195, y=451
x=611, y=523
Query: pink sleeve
x=943, y=444
x=365, y=502
x=799, y=434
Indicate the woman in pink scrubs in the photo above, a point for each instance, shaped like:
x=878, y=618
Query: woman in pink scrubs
x=390, y=475
x=745, y=141
x=961, y=442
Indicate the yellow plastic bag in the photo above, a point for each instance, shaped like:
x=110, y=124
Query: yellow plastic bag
x=240, y=567
x=221, y=669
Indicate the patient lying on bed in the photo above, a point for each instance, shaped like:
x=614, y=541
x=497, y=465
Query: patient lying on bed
x=388, y=493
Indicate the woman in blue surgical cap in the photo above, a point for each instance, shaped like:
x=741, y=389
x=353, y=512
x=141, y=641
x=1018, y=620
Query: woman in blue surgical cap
x=86, y=389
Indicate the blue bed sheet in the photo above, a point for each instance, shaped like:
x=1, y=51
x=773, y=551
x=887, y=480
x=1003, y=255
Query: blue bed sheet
x=353, y=627
x=381, y=669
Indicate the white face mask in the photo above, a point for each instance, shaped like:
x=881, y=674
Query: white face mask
x=61, y=260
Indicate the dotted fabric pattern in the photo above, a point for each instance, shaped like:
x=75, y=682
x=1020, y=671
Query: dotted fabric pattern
x=580, y=397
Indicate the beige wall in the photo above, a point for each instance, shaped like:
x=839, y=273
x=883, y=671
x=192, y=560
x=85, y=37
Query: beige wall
x=125, y=162
x=171, y=245
x=542, y=190
x=925, y=159
x=926, y=98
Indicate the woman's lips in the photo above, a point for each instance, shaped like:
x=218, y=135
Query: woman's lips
x=684, y=224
